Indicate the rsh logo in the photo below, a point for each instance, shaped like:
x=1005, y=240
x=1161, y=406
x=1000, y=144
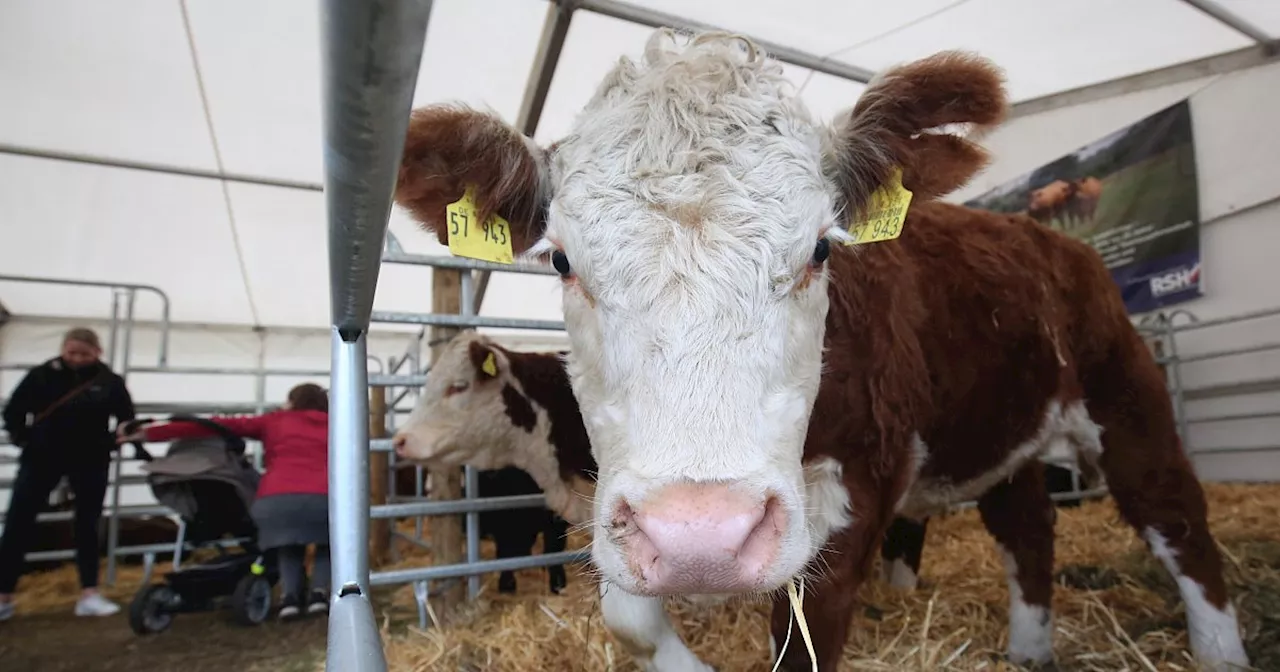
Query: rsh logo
x=1175, y=281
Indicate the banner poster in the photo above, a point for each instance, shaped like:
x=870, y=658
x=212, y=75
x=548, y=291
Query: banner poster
x=1131, y=195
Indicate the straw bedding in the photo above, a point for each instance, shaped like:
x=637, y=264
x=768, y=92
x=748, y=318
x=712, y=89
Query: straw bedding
x=1115, y=609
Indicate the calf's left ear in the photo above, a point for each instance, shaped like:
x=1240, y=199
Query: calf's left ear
x=451, y=148
x=890, y=126
x=485, y=359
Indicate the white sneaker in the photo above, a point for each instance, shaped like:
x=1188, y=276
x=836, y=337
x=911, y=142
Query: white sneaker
x=96, y=605
x=6, y=611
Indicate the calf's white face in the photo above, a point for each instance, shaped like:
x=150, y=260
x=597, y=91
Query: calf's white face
x=460, y=418
x=690, y=214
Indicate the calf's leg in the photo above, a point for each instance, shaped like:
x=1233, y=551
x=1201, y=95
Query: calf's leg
x=554, y=539
x=901, y=551
x=1020, y=515
x=510, y=543
x=830, y=599
x=641, y=626
x=1157, y=492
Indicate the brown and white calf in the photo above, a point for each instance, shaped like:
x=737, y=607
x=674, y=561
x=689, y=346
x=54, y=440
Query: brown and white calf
x=762, y=401
x=519, y=411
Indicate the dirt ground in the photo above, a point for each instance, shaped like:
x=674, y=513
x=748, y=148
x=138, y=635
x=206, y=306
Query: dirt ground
x=59, y=642
x=46, y=636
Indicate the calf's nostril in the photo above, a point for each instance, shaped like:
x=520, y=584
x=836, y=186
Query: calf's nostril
x=398, y=443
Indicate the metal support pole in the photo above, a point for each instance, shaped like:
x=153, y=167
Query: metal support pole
x=371, y=52
x=471, y=474
x=113, y=330
x=117, y=465
x=1179, y=403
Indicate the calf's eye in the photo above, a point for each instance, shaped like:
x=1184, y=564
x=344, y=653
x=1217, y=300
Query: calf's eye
x=561, y=263
x=821, y=251
x=456, y=388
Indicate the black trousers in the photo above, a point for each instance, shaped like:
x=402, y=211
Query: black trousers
x=35, y=481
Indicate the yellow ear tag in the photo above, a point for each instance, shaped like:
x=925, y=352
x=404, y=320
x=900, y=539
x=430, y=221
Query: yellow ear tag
x=885, y=212
x=489, y=366
x=471, y=238
x=257, y=569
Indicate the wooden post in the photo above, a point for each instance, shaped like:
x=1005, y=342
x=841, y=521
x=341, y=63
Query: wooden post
x=379, y=528
x=446, y=531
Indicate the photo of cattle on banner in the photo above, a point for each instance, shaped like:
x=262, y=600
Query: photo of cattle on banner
x=1133, y=196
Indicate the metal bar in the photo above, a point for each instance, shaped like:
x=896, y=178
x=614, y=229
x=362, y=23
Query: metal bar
x=123, y=551
x=655, y=19
x=113, y=329
x=199, y=408
x=555, y=28
x=1229, y=19
x=452, y=507
x=229, y=371
x=440, y=572
x=1233, y=417
x=1233, y=319
x=1235, y=450
x=1248, y=350
x=123, y=480
x=113, y=523
x=137, y=511
x=382, y=380
x=1233, y=61
x=164, y=298
x=1238, y=389
x=460, y=322
x=109, y=162
x=462, y=263
x=471, y=476
x=371, y=53
x=1179, y=393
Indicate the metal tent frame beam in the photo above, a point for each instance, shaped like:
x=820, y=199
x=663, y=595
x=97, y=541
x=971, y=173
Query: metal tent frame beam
x=1228, y=18
x=1232, y=61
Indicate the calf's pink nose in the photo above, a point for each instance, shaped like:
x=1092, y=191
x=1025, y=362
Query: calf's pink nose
x=399, y=444
x=693, y=538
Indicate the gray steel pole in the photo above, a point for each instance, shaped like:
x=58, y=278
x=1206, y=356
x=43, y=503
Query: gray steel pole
x=117, y=467
x=371, y=52
x=471, y=475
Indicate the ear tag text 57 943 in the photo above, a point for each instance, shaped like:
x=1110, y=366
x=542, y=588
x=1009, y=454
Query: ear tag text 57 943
x=884, y=213
x=471, y=238
x=489, y=366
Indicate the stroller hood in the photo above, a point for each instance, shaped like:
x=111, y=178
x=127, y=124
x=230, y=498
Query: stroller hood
x=203, y=459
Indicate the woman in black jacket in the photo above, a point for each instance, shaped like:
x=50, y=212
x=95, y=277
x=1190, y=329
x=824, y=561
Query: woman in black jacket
x=59, y=417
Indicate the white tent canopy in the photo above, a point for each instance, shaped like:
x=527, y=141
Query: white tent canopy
x=232, y=87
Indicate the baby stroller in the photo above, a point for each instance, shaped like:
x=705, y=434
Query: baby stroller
x=211, y=485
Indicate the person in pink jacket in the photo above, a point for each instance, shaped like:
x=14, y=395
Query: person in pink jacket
x=292, y=507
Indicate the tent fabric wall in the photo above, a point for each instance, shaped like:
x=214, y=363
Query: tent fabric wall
x=1238, y=158
x=234, y=86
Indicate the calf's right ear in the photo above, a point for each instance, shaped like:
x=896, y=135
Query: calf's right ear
x=450, y=148
x=485, y=359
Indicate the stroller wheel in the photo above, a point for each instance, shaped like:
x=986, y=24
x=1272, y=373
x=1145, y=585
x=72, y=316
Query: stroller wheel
x=251, y=601
x=149, y=611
